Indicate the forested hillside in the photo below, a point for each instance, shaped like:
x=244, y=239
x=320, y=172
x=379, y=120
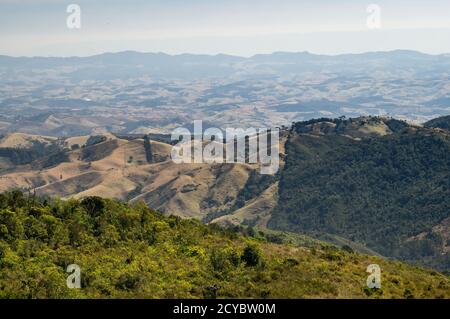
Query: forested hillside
x=388, y=189
x=132, y=251
x=440, y=122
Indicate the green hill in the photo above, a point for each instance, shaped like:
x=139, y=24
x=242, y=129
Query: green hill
x=380, y=182
x=129, y=251
x=440, y=122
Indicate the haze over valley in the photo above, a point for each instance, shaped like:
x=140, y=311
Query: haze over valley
x=139, y=93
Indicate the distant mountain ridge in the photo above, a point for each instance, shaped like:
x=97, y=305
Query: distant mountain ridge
x=154, y=92
x=280, y=55
x=196, y=65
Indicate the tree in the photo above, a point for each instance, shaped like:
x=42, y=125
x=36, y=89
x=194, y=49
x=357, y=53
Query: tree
x=251, y=256
x=148, y=149
x=93, y=205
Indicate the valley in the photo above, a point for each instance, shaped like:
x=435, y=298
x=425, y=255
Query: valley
x=143, y=93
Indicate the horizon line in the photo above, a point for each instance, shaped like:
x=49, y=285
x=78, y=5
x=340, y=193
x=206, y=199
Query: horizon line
x=219, y=54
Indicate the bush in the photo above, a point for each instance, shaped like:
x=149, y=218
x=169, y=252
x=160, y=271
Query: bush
x=348, y=249
x=408, y=294
x=93, y=205
x=224, y=259
x=128, y=281
x=109, y=236
x=251, y=256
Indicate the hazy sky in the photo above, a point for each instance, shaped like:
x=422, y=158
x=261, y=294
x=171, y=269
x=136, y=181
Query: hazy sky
x=240, y=27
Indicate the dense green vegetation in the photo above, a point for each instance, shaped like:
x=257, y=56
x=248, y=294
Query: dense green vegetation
x=50, y=160
x=148, y=149
x=440, y=122
x=19, y=156
x=133, y=252
x=380, y=191
x=41, y=154
x=98, y=151
x=255, y=185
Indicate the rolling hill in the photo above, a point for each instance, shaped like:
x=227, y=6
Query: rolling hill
x=378, y=185
x=440, y=122
x=125, y=169
x=380, y=182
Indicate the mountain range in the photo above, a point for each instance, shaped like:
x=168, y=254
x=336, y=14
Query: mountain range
x=376, y=184
x=142, y=93
x=132, y=63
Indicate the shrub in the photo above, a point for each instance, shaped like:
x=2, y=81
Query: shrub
x=128, y=281
x=109, y=236
x=93, y=205
x=408, y=294
x=348, y=249
x=251, y=256
x=224, y=259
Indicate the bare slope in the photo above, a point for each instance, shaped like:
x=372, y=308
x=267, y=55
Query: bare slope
x=111, y=167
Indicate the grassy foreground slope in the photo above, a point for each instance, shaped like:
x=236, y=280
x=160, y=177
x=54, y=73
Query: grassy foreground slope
x=133, y=252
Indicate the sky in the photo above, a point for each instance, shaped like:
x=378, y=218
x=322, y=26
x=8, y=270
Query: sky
x=238, y=27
